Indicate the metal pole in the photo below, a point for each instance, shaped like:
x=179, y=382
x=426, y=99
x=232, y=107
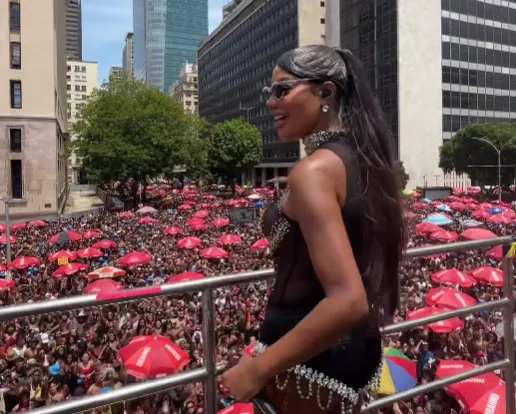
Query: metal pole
x=508, y=331
x=499, y=175
x=209, y=352
x=8, y=234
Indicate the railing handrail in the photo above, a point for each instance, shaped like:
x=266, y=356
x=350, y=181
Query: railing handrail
x=210, y=369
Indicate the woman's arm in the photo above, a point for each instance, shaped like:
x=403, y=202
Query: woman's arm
x=316, y=186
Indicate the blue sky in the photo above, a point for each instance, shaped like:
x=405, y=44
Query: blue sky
x=105, y=24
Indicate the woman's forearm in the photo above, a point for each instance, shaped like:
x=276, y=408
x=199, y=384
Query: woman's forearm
x=317, y=332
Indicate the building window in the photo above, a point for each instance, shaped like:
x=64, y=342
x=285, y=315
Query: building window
x=16, y=179
x=15, y=135
x=323, y=21
x=322, y=4
x=16, y=94
x=15, y=55
x=14, y=16
x=68, y=87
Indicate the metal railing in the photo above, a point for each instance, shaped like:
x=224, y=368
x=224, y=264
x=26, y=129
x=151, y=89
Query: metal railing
x=207, y=374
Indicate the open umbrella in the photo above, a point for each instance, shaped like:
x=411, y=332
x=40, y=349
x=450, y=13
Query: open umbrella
x=424, y=229
x=229, y=239
x=62, y=256
x=103, y=285
x=146, y=210
x=172, y=231
x=261, y=244
x=398, y=372
x=89, y=253
x=488, y=274
x=454, y=277
x=189, y=243
x=126, y=215
x=106, y=272
x=65, y=237
x=147, y=221
x=3, y=239
x=185, y=277
x=90, y=234
x=214, y=253
x=446, y=326
x=478, y=234
x=18, y=226
x=438, y=219
x=239, y=408
x=69, y=269
x=447, y=298
x=37, y=223
x=6, y=284
x=23, y=262
x=135, y=259
x=444, y=236
x=105, y=244
x=152, y=356
x=201, y=214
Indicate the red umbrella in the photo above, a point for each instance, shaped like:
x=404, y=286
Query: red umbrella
x=147, y=220
x=229, y=239
x=18, y=226
x=89, y=253
x=480, y=214
x=62, y=254
x=3, y=227
x=127, y=215
x=492, y=401
x=500, y=219
x=65, y=237
x=495, y=253
x=447, y=368
x=37, y=223
x=189, y=243
x=185, y=206
x=238, y=408
x=458, y=206
x=199, y=227
x=196, y=220
x=424, y=229
x=69, y=269
x=478, y=234
x=23, y=262
x=172, y=231
x=6, y=284
x=185, y=277
x=135, y=259
x=3, y=239
x=214, y=253
x=3, y=267
x=146, y=210
x=105, y=244
x=488, y=274
x=448, y=298
x=106, y=272
x=420, y=206
x=209, y=197
x=201, y=214
x=152, y=356
x=447, y=326
x=90, y=234
x=103, y=285
x=444, y=236
x=454, y=277
x=261, y=244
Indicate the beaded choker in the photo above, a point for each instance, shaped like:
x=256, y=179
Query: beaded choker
x=314, y=141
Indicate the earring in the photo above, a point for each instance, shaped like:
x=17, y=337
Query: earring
x=325, y=108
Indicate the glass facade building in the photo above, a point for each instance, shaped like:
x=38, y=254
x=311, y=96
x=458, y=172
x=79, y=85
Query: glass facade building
x=166, y=34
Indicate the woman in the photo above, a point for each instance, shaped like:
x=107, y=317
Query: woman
x=337, y=236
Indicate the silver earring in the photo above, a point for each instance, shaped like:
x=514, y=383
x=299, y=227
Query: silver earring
x=325, y=108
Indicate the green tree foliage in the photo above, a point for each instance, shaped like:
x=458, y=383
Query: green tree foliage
x=463, y=153
x=234, y=146
x=401, y=175
x=132, y=133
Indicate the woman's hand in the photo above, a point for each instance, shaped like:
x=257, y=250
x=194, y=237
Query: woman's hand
x=244, y=380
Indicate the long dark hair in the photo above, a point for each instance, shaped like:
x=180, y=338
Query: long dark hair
x=363, y=119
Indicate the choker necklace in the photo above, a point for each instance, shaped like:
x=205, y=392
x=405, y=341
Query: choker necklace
x=314, y=141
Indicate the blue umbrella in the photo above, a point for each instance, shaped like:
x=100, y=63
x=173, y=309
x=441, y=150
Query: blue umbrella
x=495, y=210
x=438, y=219
x=426, y=200
x=471, y=223
x=443, y=207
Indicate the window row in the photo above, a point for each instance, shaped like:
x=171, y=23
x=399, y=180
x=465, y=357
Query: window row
x=481, y=9
x=476, y=78
x=473, y=54
x=452, y=123
x=465, y=100
x=480, y=32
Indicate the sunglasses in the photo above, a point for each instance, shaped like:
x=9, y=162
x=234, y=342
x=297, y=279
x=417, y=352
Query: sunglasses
x=281, y=88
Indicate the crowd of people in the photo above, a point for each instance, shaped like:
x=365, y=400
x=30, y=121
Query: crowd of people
x=54, y=357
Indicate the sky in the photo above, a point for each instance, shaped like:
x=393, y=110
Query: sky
x=105, y=24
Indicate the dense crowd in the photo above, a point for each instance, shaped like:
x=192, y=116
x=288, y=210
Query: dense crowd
x=54, y=357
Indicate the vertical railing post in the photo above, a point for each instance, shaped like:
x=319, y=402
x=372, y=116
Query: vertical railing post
x=508, y=327
x=209, y=352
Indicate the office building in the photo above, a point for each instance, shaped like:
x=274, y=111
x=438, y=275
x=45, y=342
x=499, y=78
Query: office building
x=229, y=7
x=185, y=90
x=82, y=78
x=128, y=56
x=33, y=124
x=74, y=30
x=437, y=66
x=236, y=62
x=167, y=33
x=115, y=72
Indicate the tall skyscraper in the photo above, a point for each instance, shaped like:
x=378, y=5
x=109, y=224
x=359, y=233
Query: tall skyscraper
x=33, y=124
x=74, y=30
x=128, y=56
x=167, y=33
x=115, y=73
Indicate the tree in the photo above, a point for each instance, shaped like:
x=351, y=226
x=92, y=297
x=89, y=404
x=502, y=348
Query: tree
x=131, y=133
x=234, y=146
x=465, y=154
x=401, y=175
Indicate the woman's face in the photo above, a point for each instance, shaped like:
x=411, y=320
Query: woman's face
x=295, y=106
